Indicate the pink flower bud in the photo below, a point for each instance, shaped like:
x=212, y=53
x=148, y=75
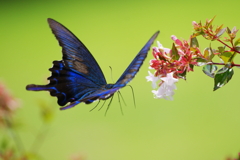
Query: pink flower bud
x=173, y=37
x=194, y=23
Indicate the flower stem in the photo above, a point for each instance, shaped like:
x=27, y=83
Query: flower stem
x=17, y=139
x=237, y=65
x=39, y=139
x=224, y=43
x=218, y=39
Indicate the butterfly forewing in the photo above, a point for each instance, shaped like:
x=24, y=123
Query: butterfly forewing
x=75, y=55
x=137, y=62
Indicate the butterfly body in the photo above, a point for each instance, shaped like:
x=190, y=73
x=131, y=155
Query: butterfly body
x=77, y=77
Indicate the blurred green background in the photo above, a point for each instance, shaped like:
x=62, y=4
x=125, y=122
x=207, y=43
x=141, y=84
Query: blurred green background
x=199, y=124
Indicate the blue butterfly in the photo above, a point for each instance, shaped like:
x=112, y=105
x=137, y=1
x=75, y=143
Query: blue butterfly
x=77, y=77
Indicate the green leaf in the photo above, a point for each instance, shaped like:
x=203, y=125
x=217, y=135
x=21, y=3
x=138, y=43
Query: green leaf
x=183, y=75
x=201, y=61
x=237, y=42
x=222, y=77
x=228, y=31
x=194, y=42
x=221, y=49
x=175, y=55
x=208, y=54
x=210, y=70
x=212, y=53
x=191, y=66
x=226, y=56
x=237, y=48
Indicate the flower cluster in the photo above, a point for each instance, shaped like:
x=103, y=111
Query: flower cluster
x=172, y=64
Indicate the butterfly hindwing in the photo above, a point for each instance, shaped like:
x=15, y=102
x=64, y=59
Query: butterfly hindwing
x=101, y=94
x=65, y=84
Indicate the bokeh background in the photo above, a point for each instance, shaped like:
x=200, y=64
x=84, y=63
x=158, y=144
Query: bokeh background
x=199, y=124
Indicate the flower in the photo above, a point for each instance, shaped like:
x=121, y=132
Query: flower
x=163, y=92
x=171, y=65
x=152, y=78
x=166, y=87
x=7, y=101
x=169, y=80
x=233, y=32
x=8, y=104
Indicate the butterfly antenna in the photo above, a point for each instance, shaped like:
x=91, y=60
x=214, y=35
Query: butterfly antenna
x=111, y=73
x=102, y=106
x=133, y=95
x=120, y=101
x=95, y=106
x=109, y=105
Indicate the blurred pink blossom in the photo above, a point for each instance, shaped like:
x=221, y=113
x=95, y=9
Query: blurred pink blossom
x=8, y=103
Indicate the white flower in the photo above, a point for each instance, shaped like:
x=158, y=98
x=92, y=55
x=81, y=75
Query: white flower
x=169, y=80
x=164, y=91
x=152, y=78
x=166, y=88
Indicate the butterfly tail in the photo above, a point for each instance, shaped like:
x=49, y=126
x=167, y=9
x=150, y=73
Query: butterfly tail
x=34, y=87
x=53, y=91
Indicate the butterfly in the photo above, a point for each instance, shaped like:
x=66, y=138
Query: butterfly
x=77, y=77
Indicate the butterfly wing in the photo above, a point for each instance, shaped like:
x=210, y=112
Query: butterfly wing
x=101, y=94
x=137, y=62
x=76, y=56
x=65, y=84
x=77, y=75
x=78, y=78
x=109, y=89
